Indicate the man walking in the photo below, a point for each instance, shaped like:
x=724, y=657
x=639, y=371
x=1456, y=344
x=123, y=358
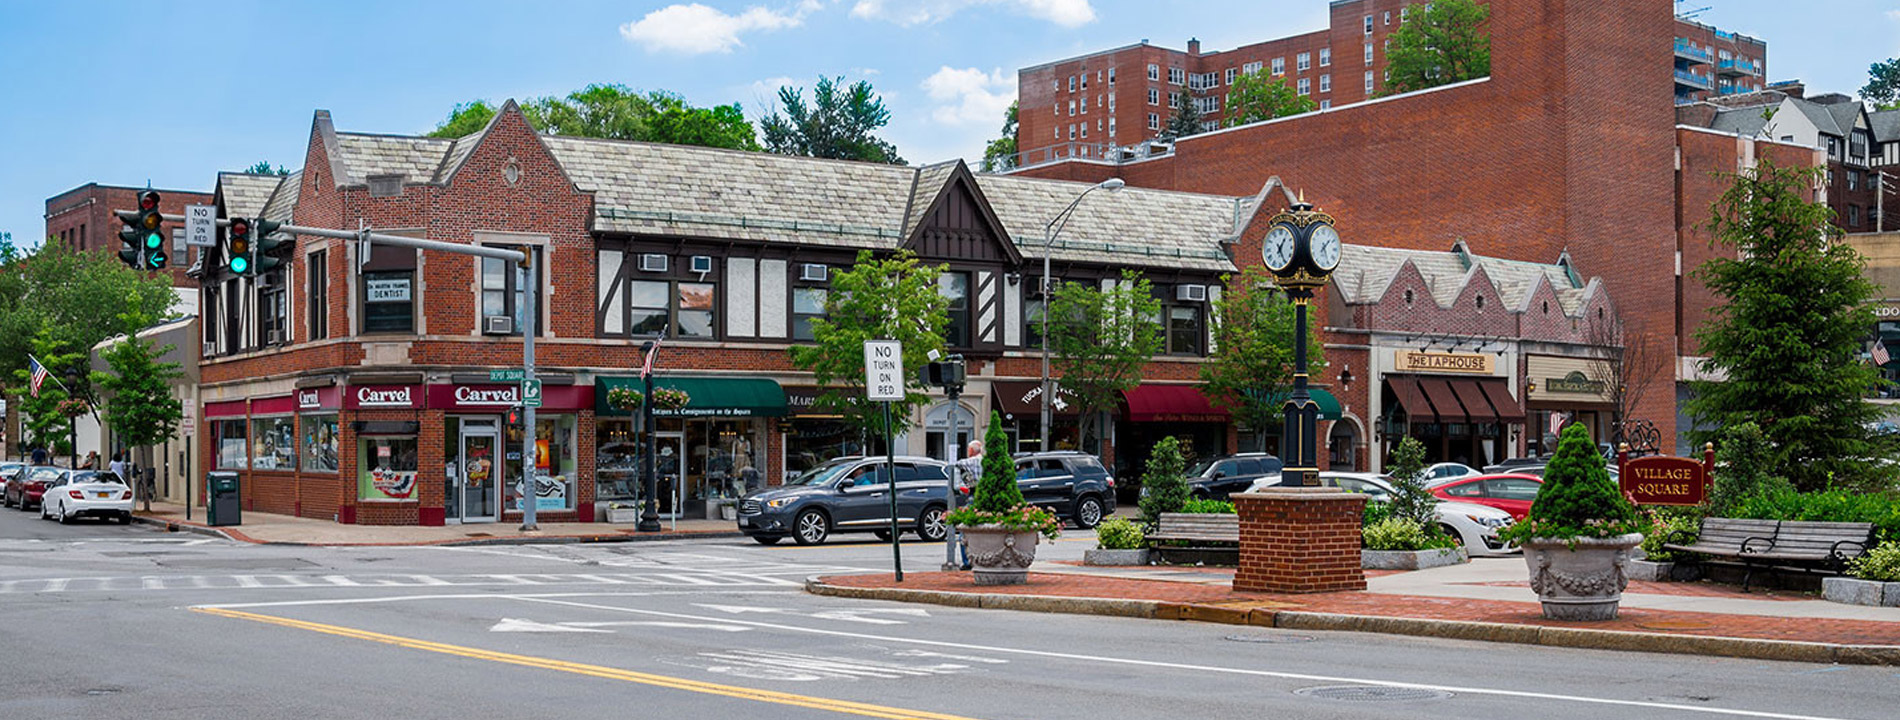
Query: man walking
x=39, y=454
x=969, y=471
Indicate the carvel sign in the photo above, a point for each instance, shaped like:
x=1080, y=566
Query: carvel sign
x=474, y=397
x=1661, y=480
x=385, y=396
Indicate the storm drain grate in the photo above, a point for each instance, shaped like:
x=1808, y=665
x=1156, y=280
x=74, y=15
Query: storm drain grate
x=1372, y=693
x=1271, y=639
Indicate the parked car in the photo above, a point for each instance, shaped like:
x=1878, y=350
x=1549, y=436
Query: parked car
x=9, y=471
x=849, y=494
x=1510, y=492
x=86, y=493
x=1447, y=471
x=1474, y=527
x=1513, y=464
x=1220, y=477
x=27, y=490
x=1072, y=484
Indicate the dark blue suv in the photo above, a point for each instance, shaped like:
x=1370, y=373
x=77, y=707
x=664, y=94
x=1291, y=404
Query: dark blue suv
x=849, y=494
x=1073, y=484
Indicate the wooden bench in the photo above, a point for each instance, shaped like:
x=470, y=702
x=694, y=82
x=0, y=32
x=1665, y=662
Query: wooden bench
x=1197, y=538
x=1795, y=544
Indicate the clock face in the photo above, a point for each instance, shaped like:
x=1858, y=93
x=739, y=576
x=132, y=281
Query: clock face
x=1325, y=247
x=1277, y=251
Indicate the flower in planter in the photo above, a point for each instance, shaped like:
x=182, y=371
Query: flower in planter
x=997, y=500
x=670, y=399
x=625, y=399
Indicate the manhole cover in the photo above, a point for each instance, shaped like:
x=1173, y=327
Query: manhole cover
x=1270, y=639
x=1372, y=693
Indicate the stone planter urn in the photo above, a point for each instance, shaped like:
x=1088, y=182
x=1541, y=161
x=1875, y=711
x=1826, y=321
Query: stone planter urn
x=1580, y=579
x=999, y=555
x=1106, y=556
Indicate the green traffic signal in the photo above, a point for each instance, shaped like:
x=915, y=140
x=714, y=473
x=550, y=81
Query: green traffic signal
x=240, y=264
x=154, y=241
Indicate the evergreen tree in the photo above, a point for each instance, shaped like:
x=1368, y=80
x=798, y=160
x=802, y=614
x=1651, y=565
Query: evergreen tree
x=1164, y=483
x=1578, y=498
x=1410, y=499
x=1790, y=334
x=836, y=124
x=997, y=490
x=1438, y=43
x=1186, y=120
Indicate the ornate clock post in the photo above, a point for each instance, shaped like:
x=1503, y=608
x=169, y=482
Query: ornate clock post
x=1301, y=249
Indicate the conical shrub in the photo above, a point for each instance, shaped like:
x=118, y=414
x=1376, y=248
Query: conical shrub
x=996, y=491
x=1578, y=499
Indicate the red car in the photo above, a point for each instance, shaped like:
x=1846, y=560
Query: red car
x=1510, y=492
x=26, y=489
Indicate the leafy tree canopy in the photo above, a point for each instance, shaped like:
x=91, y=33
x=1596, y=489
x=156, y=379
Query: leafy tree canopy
x=56, y=292
x=837, y=124
x=1255, y=96
x=1250, y=367
x=1883, y=85
x=894, y=298
x=617, y=112
x=1099, y=341
x=1000, y=154
x=262, y=167
x=1439, y=43
x=1789, y=334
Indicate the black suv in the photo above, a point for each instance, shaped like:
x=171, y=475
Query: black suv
x=1223, y=476
x=1073, y=484
x=849, y=494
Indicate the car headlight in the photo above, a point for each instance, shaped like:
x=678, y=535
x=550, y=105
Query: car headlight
x=1490, y=522
x=779, y=502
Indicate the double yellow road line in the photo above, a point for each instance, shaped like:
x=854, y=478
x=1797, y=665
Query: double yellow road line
x=599, y=671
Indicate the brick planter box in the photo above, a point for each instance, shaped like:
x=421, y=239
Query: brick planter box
x=1855, y=591
x=1411, y=559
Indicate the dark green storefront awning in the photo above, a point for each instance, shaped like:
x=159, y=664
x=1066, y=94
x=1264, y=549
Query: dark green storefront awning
x=709, y=397
x=1329, y=408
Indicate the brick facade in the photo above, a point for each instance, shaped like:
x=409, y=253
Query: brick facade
x=1299, y=540
x=83, y=217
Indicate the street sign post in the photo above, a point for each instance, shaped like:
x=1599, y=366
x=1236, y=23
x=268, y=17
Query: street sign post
x=201, y=225
x=531, y=392
x=884, y=382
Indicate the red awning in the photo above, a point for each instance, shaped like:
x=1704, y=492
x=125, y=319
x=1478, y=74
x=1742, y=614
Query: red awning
x=1444, y=400
x=1473, y=399
x=1171, y=403
x=1498, y=391
x=1410, y=397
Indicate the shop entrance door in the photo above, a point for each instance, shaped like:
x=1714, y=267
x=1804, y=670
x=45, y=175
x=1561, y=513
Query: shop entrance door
x=669, y=471
x=473, y=497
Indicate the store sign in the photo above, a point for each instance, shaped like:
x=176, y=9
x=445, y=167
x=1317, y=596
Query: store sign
x=1661, y=480
x=1417, y=361
x=1575, y=382
x=374, y=396
x=396, y=290
x=1887, y=312
x=319, y=398
x=503, y=395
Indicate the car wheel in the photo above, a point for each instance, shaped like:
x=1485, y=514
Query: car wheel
x=882, y=535
x=1088, y=512
x=1456, y=539
x=125, y=519
x=64, y=519
x=811, y=527
x=760, y=539
x=930, y=527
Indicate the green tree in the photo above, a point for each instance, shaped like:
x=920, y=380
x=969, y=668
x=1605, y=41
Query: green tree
x=1164, y=486
x=262, y=167
x=47, y=416
x=1883, y=85
x=1250, y=366
x=1000, y=154
x=1577, y=498
x=1099, y=341
x=56, y=294
x=617, y=112
x=894, y=298
x=1790, y=332
x=466, y=119
x=1439, y=43
x=599, y=111
x=996, y=491
x=1410, y=499
x=1255, y=97
x=1743, y=467
x=139, y=403
x=1185, y=121
x=675, y=122
x=837, y=124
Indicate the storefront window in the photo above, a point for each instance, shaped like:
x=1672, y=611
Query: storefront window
x=319, y=443
x=554, y=464
x=811, y=442
x=386, y=467
x=231, y=447
x=616, y=461
x=725, y=457
x=274, y=443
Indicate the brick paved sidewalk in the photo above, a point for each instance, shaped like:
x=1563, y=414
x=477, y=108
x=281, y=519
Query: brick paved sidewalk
x=1633, y=620
x=260, y=527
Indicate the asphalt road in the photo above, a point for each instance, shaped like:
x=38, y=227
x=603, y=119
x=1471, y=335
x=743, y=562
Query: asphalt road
x=110, y=621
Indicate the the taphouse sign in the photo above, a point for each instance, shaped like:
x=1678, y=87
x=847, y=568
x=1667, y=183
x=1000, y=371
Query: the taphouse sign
x=1416, y=361
x=1662, y=480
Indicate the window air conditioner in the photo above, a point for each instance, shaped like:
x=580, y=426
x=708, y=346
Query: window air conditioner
x=1191, y=293
x=702, y=263
x=274, y=337
x=497, y=325
x=652, y=262
x=813, y=272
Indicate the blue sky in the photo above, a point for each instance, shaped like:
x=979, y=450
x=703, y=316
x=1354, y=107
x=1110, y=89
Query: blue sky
x=231, y=83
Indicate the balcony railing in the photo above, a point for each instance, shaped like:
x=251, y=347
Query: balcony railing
x=1689, y=52
x=1689, y=79
x=1736, y=67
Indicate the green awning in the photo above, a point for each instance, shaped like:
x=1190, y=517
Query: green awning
x=708, y=397
x=1329, y=408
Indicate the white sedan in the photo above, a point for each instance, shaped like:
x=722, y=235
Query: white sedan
x=1446, y=472
x=81, y=493
x=1474, y=527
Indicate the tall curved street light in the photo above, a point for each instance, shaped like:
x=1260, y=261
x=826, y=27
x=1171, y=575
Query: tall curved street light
x=1050, y=230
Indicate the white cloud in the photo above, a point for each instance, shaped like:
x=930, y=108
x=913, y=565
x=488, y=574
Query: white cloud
x=696, y=29
x=1067, y=13
x=969, y=96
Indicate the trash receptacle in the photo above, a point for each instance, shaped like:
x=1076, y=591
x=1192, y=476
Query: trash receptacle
x=222, y=506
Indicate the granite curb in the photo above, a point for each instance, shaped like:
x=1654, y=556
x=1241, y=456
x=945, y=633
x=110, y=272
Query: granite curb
x=170, y=525
x=1586, y=638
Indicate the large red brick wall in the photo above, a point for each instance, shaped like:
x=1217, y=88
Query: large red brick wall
x=90, y=206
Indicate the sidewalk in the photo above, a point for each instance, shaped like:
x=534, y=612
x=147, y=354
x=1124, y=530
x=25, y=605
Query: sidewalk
x=259, y=527
x=1489, y=599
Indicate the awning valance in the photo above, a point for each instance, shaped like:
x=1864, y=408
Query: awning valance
x=1455, y=400
x=1171, y=403
x=707, y=396
x=1329, y=407
x=1023, y=398
x=1472, y=398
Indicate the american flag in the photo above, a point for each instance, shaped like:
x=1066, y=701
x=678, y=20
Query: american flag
x=39, y=374
x=1881, y=357
x=646, y=368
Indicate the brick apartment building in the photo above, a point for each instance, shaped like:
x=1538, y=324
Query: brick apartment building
x=1122, y=97
x=82, y=217
x=356, y=387
x=1568, y=148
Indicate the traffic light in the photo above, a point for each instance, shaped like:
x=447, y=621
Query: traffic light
x=943, y=373
x=143, y=234
x=513, y=418
x=237, y=246
x=268, y=248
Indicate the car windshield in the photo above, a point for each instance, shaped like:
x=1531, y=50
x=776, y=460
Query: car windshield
x=97, y=477
x=1199, y=467
x=821, y=474
x=45, y=474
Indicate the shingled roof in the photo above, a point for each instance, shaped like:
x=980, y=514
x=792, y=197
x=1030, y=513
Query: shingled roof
x=244, y=194
x=1366, y=273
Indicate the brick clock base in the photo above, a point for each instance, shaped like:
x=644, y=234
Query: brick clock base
x=1299, y=540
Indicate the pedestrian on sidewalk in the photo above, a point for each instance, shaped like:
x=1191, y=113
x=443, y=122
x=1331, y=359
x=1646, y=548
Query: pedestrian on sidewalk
x=969, y=470
x=92, y=461
x=39, y=454
x=118, y=466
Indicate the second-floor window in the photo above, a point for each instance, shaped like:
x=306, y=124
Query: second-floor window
x=808, y=303
x=273, y=303
x=387, y=291
x=501, y=293
x=955, y=288
x=685, y=307
x=317, y=292
x=1184, y=330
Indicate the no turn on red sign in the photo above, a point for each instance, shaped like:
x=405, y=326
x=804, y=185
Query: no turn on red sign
x=884, y=370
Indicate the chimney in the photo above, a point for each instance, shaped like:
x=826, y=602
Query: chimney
x=1194, y=47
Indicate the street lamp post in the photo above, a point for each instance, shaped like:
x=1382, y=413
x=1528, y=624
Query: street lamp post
x=1302, y=249
x=1048, y=247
